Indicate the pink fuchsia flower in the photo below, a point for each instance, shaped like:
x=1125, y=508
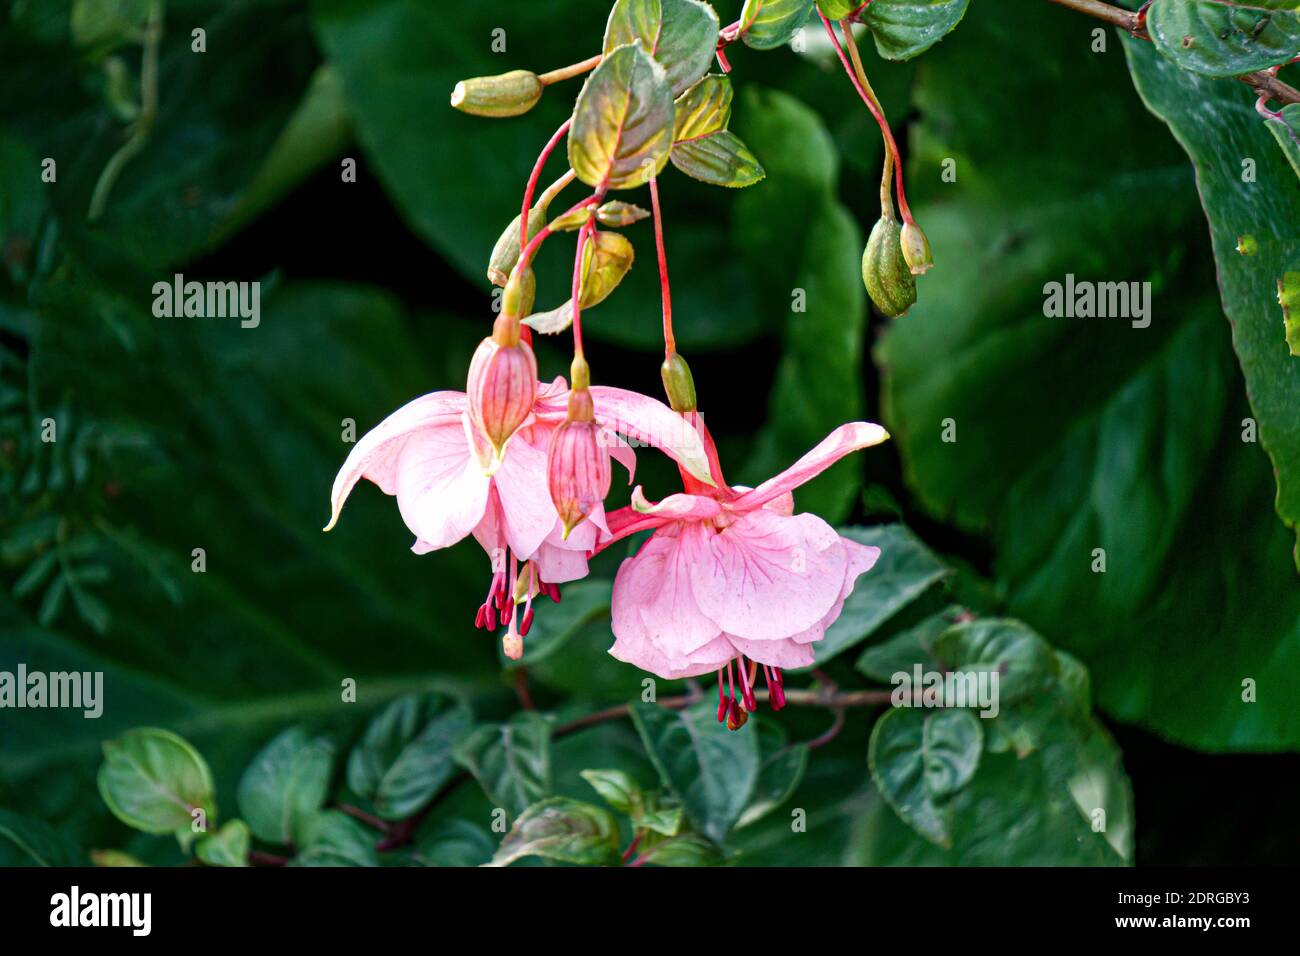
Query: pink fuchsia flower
x=733, y=576
x=449, y=484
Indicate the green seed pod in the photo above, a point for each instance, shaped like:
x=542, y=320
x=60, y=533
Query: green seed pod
x=916, y=249
x=506, y=252
x=885, y=273
x=509, y=94
x=678, y=383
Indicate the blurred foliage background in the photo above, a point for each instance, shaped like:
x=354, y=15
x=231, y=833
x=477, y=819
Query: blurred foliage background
x=177, y=434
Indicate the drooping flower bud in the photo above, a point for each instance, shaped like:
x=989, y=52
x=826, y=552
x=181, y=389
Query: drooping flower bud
x=502, y=383
x=916, y=249
x=678, y=383
x=885, y=272
x=506, y=251
x=577, y=462
x=509, y=94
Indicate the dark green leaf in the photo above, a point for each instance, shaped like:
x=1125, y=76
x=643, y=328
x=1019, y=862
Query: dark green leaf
x=332, y=838
x=511, y=761
x=682, y=35
x=905, y=28
x=900, y=653
x=618, y=789
x=406, y=754
x=780, y=769
x=687, y=849
x=767, y=24
x=1024, y=661
x=720, y=159
x=455, y=843
x=26, y=841
x=1287, y=133
x=285, y=784
x=1222, y=39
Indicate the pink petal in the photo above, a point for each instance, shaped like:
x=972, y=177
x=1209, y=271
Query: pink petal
x=375, y=455
x=845, y=439
x=653, y=598
x=649, y=657
x=441, y=492
x=771, y=576
x=676, y=507
x=653, y=423
x=787, y=653
x=620, y=451
x=520, y=482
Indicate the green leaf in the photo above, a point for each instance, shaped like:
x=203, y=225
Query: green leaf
x=905, y=28
x=720, y=159
x=1024, y=661
x=687, y=849
x=618, y=789
x=405, y=756
x=285, y=784
x=622, y=122
x=767, y=24
x=27, y=841
x=562, y=829
x=703, y=109
x=837, y=9
x=904, y=570
x=584, y=602
x=903, y=651
x=114, y=858
x=682, y=35
x=1221, y=39
x=711, y=770
x=1214, y=123
x=920, y=759
x=153, y=780
x=227, y=847
x=105, y=24
x=1287, y=133
x=332, y=838
x=781, y=767
x=511, y=761
x=455, y=843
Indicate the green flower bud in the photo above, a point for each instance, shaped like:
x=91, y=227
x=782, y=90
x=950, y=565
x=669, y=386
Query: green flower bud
x=889, y=281
x=506, y=252
x=521, y=291
x=678, y=383
x=916, y=249
x=509, y=94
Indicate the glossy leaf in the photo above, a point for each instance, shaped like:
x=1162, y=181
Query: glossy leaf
x=332, y=838
x=703, y=109
x=687, y=849
x=767, y=24
x=406, y=754
x=711, y=770
x=511, y=761
x=720, y=159
x=153, y=781
x=227, y=846
x=780, y=769
x=1023, y=661
x=1221, y=39
x=562, y=829
x=900, y=653
x=682, y=35
x=906, y=28
x=623, y=121
x=286, y=783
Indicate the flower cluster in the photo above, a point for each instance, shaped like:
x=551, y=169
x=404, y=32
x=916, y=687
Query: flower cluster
x=729, y=579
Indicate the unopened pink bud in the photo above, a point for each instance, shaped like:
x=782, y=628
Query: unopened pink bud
x=502, y=385
x=577, y=466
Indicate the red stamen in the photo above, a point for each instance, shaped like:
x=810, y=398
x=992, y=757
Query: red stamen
x=526, y=623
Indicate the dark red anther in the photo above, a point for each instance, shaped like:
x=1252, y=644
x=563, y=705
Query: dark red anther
x=776, y=695
x=723, y=703
x=526, y=623
x=735, y=716
x=478, y=618
x=751, y=702
x=555, y=593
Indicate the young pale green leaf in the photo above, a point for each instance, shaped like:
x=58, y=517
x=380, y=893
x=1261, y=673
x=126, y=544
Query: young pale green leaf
x=682, y=35
x=562, y=829
x=781, y=767
x=687, y=849
x=712, y=771
x=703, y=109
x=511, y=761
x=918, y=759
x=623, y=121
x=767, y=24
x=904, y=570
x=1024, y=661
x=720, y=159
x=286, y=783
x=27, y=841
x=837, y=9
x=153, y=780
x=1287, y=133
x=332, y=838
x=405, y=755
x=227, y=847
x=114, y=858
x=664, y=820
x=905, y=28
x=1221, y=39
x=618, y=789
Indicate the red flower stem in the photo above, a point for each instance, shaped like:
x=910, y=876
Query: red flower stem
x=631, y=847
x=876, y=112
x=532, y=181
x=670, y=342
x=530, y=250
x=583, y=235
